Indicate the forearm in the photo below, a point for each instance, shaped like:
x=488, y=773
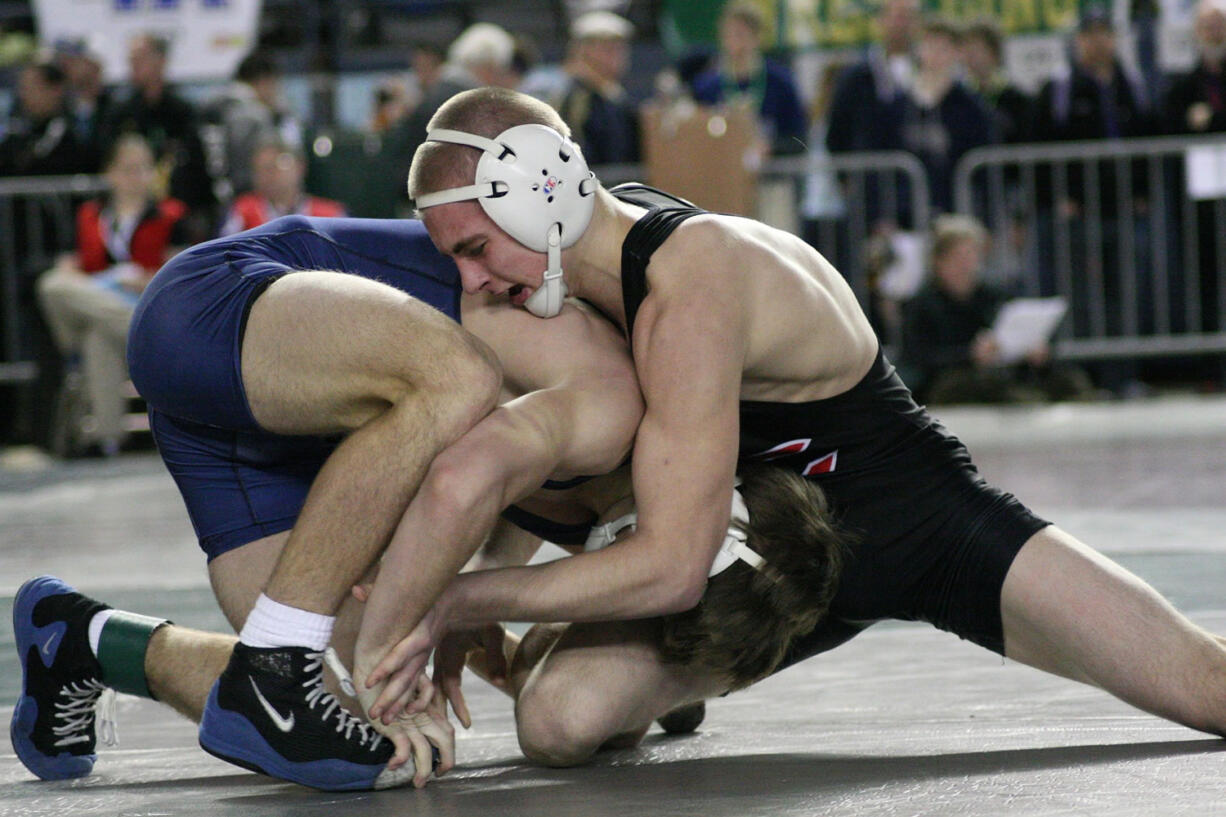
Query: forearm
x=428, y=549
x=617, y=583
x=446, y=522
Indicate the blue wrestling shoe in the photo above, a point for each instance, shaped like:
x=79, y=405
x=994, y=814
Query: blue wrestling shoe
x=53, y=724
x=270, y=712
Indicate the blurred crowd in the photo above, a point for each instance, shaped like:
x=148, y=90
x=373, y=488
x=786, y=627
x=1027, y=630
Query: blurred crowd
x=179, y=172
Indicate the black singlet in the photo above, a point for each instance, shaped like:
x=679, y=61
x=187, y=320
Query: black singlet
x=935, y=540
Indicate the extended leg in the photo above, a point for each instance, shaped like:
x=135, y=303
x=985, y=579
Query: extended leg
x=1071, y=611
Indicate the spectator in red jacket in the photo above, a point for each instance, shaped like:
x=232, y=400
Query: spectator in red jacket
x=278, y=169
x=88, y=298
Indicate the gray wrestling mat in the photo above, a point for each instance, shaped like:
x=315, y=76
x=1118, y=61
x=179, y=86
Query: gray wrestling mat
x=903, y=720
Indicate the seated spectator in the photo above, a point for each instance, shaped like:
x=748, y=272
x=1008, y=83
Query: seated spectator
x=942, y=119
x=88, y=298
x=171, y=127
x=948, y=352
x=39, y=139
x=742, y=71
x=982, y=55
x=279, y=170
x=602, y=117
x=248, y=112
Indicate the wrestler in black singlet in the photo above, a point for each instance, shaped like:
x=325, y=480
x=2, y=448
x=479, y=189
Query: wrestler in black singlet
x=935, y=540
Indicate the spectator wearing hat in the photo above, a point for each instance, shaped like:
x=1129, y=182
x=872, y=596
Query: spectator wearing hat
x=602, y=117
x=278, y=170
x=742, y=71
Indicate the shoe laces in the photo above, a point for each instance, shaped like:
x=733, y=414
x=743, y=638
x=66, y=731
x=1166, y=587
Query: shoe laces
x=80, y=702
x=346, y=722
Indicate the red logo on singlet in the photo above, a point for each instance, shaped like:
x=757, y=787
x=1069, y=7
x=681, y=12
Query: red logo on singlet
x=783, y=450
x=822, y=465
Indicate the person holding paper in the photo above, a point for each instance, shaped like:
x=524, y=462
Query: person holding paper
x=950, y=351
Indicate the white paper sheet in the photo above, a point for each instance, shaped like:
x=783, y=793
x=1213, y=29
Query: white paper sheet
x=1024, y=324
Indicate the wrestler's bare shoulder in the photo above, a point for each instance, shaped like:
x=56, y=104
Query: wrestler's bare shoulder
x=807, y=336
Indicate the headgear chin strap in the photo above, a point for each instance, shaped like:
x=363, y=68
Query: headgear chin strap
x=535, y=185
x=730, y=551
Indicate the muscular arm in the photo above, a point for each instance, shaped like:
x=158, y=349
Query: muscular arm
x=689, y=346
x=578, y=416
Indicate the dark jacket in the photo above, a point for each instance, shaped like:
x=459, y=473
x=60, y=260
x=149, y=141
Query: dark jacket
x=42, y=147
x=1197, y=86
x=171, y=127
x=606, y=129
x=779, y=103
x=940, y=135
x=937, y=331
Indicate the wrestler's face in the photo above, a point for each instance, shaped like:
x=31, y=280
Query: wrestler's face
x=489, y=260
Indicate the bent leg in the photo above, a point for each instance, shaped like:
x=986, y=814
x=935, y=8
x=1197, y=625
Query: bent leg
x=595, y=685
x=326, y=352
x=1071, y=611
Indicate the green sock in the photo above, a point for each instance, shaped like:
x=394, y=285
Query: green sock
x=121, y=651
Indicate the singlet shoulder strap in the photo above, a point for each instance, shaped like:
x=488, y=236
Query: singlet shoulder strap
x=644, y=238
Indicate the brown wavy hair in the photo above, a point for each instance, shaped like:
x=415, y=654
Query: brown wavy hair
x=748, y=619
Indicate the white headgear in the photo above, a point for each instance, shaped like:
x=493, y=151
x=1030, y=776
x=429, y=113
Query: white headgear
x=535, y=185
x=733, y=548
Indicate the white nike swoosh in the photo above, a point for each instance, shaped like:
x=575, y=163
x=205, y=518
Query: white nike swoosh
x=47, y=645
x=282, y=723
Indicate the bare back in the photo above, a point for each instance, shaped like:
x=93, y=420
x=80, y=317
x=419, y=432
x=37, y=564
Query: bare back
x=806, y=337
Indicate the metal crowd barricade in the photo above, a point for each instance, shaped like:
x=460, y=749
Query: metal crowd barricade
x=37, y=221
x=1112, y=227
x=858, y=191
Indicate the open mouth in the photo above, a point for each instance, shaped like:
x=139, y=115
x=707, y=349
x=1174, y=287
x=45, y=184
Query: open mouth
x=518, y=294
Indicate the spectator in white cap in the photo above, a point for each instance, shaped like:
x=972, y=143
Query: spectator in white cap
x=603, y=118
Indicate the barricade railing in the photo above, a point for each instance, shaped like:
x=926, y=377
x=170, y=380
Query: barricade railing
x=1131, y=232
x=37, y=222
x=856, y=194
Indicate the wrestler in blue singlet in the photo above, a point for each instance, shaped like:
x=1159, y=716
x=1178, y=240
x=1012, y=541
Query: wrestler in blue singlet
x=240, y=482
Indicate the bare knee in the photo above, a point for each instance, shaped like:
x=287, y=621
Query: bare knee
x=555, y=728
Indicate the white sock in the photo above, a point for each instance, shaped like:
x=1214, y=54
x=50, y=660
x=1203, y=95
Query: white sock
x=95, y=628
x=272, y=624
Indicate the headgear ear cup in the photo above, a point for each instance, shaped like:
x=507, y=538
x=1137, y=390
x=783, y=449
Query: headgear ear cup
x=535, y=185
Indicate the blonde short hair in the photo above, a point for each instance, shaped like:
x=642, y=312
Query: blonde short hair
x=952, y=229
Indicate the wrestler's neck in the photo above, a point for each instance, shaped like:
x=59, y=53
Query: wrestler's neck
x=593, y=264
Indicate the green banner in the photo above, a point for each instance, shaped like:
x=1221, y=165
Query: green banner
x=850, y=23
